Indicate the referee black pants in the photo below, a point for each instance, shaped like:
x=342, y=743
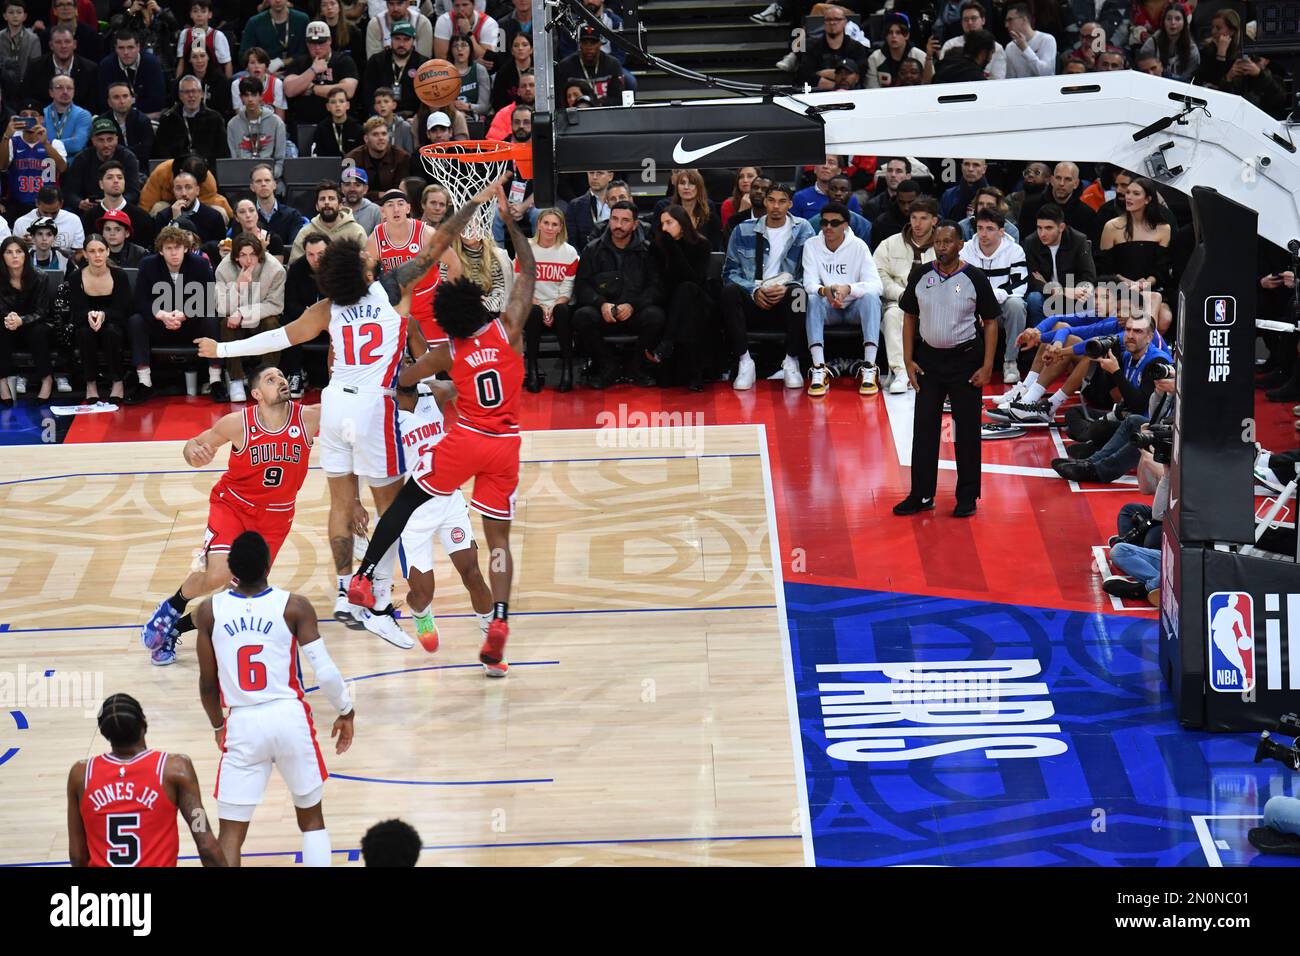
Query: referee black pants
x=947, y=375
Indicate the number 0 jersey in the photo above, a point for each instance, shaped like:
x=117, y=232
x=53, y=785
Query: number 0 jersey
x=129, y=819
x=270, y=467
x=368, y=338
x=488, y=374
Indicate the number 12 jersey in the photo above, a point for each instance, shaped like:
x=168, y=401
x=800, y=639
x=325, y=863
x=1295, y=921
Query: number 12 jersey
x=368, y=338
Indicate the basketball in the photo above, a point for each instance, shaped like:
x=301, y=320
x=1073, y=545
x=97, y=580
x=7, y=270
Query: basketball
x=437, y=84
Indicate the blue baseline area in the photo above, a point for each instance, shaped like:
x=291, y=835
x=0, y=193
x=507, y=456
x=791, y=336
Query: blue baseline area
x=31, y=424
x=1117, y=784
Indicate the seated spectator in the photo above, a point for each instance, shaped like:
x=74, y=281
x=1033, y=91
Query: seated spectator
x=1145, y=19
x=1092, y=43
x=157, y=191
x=208, y=224
x=214, y=81
x=485, y=263
x=384, y=164
x=889, y=173
x=958, y=201
x=395, y=67
x=763, y=267
x=895, y=257
x=970, y=63
x=134, y=130
x=110, y=194
x=435, y=204
x=67, y=57
x=255, y=132
x=1142, y=399
x=683, y=259
x=843, y=288
x=250, y=299
x=505, y=86
x=883, y=63
x=153, y=24
x=81, y=181
x=400, y=133
x=381, y=30
x=576, y=90
x=557, y=267
x=840, y=190
x=139, y=69
x=24, y=318
x=807, y=202
x=282, y=220
x=989, y=197
x=686, y=189
x=585, y=212
x=19, y=49
x=340, y=134
x=301, y=291
x=1140, y=558
x=248, y=222
x=503, y=122
x=463, y=19
x=1061, y=267
x=280, y=31
x=739, y=200
x=1134, y=248
x=356, y=185
x=190, y=127
x=100, y=298
x=67, y=122
x=48, y=260
x=1223, y=67
x=1065, y=191
x=565, y=42
x=172, y=308
x=311, y=78
x=333, y=221
x=1031, y=52
x=518, y=22
x=816, y=67
x=257, y=64
x=896, y=217
x=32, y=160
x=1002, y=261
x=1033, y=180
x=475, y=84
x=1148, y=62
x=591, y=64
x=200, y=33
x=973, y=21
x=49, y=205
x=618, y=291
x=757, y=195
x=117, y=230
x=1110, y=61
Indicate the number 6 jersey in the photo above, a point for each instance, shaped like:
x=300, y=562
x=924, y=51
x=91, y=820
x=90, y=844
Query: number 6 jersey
x=488, y=375
x=266, y=473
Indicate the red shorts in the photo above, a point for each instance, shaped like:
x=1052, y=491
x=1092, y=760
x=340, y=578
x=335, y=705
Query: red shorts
x=422, y=312
x=229, y=518
x=492, y=462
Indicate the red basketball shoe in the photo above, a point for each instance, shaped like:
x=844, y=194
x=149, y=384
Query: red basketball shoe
x=361, y=591
x=493, y=650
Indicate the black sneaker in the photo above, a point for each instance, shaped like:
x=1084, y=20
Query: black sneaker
x=603, y=378
x=912, y=504
x=1268, y=840
x=1031, y=413
x=138, y=394
x=219, y=392
x=1122, y=587
x=297, y=385
x=964, y=509
x=1081, y=450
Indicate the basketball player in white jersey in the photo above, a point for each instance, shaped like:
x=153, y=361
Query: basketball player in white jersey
x=446, y=517
x=248, y=642
x=359, y=432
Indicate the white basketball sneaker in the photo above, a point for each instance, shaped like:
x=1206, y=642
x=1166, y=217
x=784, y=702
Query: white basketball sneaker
x=385, y=625
x=348, y=614
x=745, y=374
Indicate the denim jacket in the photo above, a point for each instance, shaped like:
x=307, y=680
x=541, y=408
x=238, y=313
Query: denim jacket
x=742, y=251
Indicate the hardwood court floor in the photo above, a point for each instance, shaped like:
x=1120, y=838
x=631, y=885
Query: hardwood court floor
x=645, y=719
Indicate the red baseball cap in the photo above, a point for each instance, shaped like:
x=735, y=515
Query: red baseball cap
x=117, y=216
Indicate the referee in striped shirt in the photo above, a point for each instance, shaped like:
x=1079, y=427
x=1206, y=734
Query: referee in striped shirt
x=945, y=301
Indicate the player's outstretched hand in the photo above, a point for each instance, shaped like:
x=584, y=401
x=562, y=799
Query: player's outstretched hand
x=207, y=348
x=343, y=731
x=487, y=192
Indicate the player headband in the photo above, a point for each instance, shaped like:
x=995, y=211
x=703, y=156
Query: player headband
x=394, y=194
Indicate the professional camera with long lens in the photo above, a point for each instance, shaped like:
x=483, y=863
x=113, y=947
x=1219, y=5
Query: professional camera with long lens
x=1101, y=345
x=1158, y=371
x=1288, y=724
x=1157, y=439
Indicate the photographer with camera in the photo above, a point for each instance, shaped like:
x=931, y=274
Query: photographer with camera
x=1135, y=551
x=1141, y=380
x=1281, y=830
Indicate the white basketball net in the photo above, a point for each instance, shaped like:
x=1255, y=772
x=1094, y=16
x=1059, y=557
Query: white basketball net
x=464, y=180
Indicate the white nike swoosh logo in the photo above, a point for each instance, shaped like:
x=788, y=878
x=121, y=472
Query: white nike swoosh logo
x=684, y=156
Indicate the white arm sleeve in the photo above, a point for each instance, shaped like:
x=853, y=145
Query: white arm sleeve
x=331, y=681
x=275, y=340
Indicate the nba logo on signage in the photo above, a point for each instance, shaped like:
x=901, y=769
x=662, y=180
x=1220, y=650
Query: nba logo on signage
x=1231, y=617
x=1220, y=310
x=1220, y=313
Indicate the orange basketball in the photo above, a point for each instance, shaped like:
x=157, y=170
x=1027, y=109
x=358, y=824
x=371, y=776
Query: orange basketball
x=437, y=84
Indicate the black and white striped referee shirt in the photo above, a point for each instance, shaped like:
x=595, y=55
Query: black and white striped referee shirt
x=949, y=305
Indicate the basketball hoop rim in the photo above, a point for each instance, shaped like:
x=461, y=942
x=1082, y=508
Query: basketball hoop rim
x=483, y=151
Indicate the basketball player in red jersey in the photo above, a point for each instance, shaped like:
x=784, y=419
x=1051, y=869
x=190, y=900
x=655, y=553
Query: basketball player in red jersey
x=270, y=448
x=122, y=805
x=485, y=358
x=398, y=239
